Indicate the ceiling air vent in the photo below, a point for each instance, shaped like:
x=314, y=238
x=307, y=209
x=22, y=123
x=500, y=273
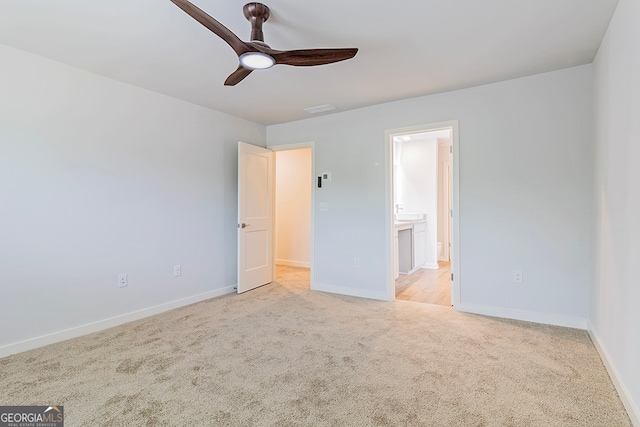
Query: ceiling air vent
x=320, y=109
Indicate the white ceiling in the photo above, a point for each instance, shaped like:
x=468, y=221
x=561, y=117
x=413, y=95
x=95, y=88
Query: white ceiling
x=407, y=48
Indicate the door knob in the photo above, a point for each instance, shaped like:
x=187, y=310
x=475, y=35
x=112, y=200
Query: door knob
x=243, y=225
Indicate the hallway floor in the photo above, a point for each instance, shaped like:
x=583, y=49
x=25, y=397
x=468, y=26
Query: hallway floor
x=295, y=277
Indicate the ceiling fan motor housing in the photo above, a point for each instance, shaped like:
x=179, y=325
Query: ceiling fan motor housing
x=256, y=14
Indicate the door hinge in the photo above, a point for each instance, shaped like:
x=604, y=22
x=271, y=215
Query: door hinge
x=451, y=212
x=451, y=149
x=452, y=277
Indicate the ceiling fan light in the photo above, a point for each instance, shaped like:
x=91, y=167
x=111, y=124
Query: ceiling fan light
x=256, y=61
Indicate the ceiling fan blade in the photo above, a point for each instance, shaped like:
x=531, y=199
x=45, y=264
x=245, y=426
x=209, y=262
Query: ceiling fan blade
x=205, y=19
x=310, y=57
x=237, y=76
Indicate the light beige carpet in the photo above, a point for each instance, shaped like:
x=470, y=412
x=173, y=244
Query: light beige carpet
x=285, y=356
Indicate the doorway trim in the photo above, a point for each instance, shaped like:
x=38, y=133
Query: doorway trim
x=447, y=198
x=455, y=220
x=295, y=146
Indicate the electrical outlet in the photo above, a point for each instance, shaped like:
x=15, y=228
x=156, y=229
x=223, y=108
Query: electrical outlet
x=356, y=262
x=517, y=276
x=122, y=280
x=177, y=270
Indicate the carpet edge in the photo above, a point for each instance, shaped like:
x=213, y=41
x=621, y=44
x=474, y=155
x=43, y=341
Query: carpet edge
x=88, y=328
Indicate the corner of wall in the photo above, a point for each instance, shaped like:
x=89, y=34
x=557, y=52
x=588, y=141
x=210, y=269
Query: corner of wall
x=632, y=410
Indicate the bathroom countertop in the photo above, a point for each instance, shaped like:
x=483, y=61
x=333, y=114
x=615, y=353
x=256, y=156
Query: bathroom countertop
x=401, y=225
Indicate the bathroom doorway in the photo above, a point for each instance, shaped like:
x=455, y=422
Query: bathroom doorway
x=293, y=215
x=422, y=194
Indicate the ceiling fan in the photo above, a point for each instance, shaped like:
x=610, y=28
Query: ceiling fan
x=256, y=54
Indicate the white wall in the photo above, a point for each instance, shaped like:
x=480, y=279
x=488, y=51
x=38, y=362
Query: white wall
x=99, y=178
x=615, y=296
x=526, y=165
x=293, y=207
x=417, y=182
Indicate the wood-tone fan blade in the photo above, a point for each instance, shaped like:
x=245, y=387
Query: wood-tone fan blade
x=223, y=32
x=237, y=76
x=310, y=57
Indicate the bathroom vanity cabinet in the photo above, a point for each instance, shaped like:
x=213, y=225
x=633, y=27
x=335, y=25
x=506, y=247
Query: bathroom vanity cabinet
x=409, y=246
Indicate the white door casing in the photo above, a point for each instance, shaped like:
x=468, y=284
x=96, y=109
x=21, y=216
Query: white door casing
x=255, y=216
x=295, y=146
x=446, y=211
x=454, y=254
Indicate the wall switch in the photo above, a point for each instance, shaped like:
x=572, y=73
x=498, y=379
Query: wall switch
x=517, y=276
x=122, y=280
x=177, y=270
x=356, y=262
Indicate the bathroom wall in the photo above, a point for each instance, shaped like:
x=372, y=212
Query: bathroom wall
x=293, y=207
x=417, y=185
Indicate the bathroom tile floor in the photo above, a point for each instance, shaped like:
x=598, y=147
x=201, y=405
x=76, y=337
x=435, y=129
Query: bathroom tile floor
x=426, y=286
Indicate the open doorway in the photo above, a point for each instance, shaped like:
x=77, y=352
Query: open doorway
x=293, y=216
x=422, y=198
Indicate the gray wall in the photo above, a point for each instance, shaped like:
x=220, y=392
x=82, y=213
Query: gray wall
x=615, y=295
x=526, y=173
x=100, y=178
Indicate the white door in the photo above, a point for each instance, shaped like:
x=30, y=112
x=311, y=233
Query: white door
x=255, y=216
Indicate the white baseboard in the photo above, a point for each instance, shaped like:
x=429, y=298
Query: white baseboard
x=527, y=316
x=291, y=263
x=616, y=378
x=354, y=292
x=430, y=266
x=100, y=325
